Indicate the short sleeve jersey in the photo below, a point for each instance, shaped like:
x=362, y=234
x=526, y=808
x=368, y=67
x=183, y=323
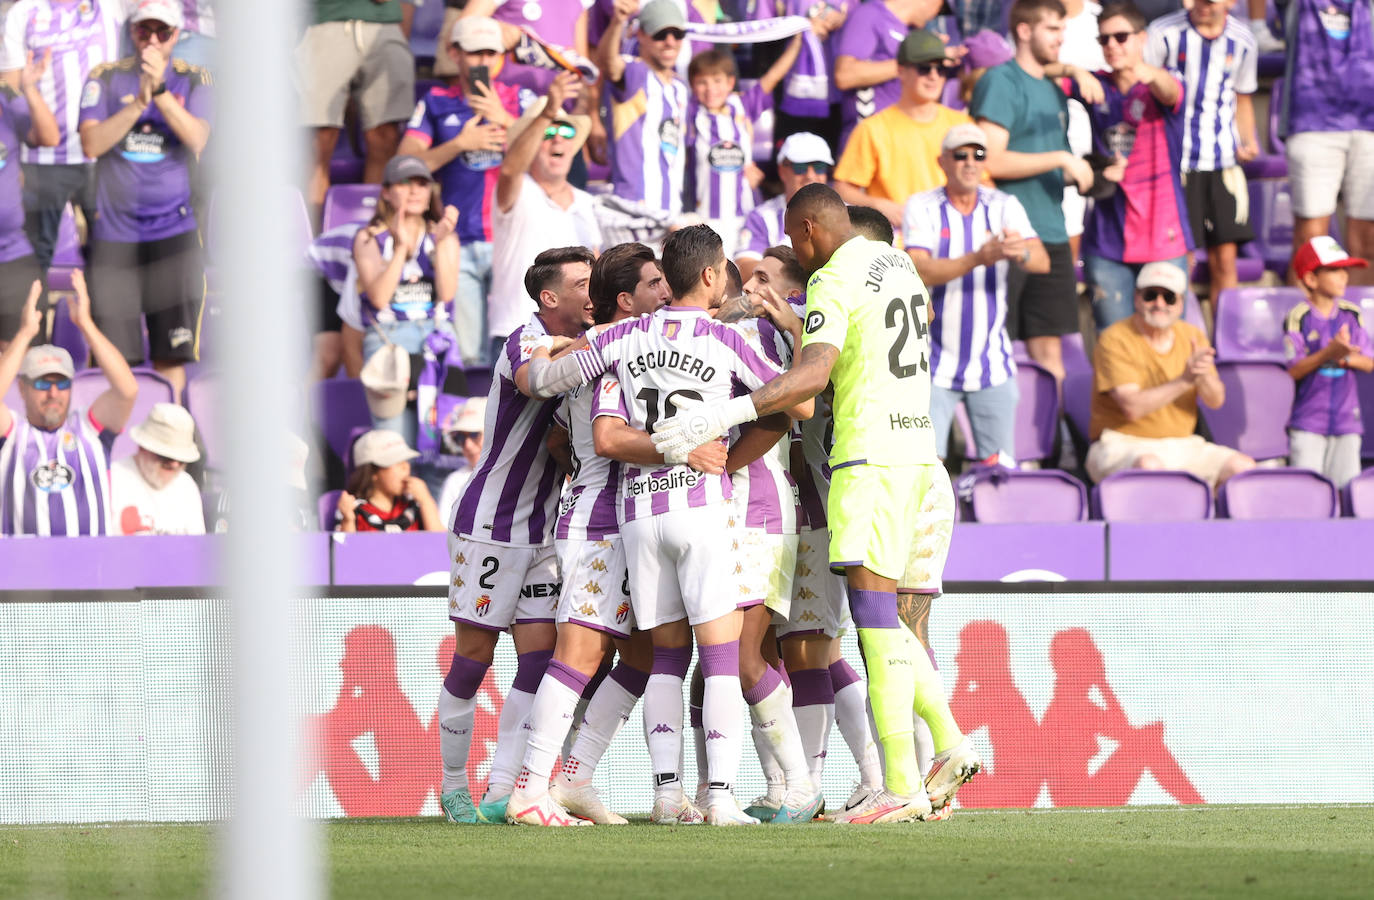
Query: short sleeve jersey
x=1328, y=400
x=892, y=156
x=1123, y=356
x=869, y=303
x=14, y=125
x=872, y=32
x=762, y=229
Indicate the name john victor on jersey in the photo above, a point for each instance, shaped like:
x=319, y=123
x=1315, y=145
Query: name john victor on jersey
x=881, y=264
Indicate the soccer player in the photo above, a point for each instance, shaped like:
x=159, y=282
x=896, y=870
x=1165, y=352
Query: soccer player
x=503, y=567
x=865, y=331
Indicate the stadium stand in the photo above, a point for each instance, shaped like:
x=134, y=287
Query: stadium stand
x=152, y=388
x=1278, y=494
x=328, y=503
x=1254, y=418
x=339, y=406
x=1249, y=323
x=1140, y=495
x=202, y=399
x=992, y=494
x=1357, y=497
x=345, y=203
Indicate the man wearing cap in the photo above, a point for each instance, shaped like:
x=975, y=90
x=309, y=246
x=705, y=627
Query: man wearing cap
x=152, y=491
x=54, y=460
x=536, y=208
x=892, y=155
x=354, y=49
x=144, y=119
x=466, y=432
x=1150, y=371
x=804, y=158
x=459, y=130
x=964, y=238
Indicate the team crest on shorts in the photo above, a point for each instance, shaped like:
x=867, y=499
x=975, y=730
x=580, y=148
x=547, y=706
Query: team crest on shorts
x=622, y=612
x=483, y=605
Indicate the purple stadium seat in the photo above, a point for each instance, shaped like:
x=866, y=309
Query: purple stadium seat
x=68, y=336
x=339, y=406
x=479, y=380
x=1276, y=90
x=66, y=253
x=1249, y=266
x=1358, y=495
x=1140, y=495
x=202, y=401
x=995, y=494
x=1254, y=418
x=424, y=30
x=1364, y=296
x=326, y=506
x=152, y=388
x=1037, y=412
x=1277, y=494
x=346, y=203
x=1192, y=313
x=1249, y=323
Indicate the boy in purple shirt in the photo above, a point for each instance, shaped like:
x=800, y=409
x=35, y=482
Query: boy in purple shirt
x=143, y=119
x=1324, y=340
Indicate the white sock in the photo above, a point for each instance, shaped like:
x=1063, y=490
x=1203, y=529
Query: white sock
x=578, y=716
x=768, y=761
x=720, y=717
x=773, y=716
x=551, y=716
x=512, y=734
x=925, y=745
x=813, y=726
x=455, y=738
x=851, y=715
x=663, y=730
x=608, y=709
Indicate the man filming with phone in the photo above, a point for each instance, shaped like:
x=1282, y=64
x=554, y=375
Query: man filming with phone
x=459, y=130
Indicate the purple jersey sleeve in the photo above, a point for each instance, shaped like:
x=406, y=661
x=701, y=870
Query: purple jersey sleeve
x=857, y=37
x=200, y=102
x=96, y=102
x=753, y=369
x=421, y=124
x=610, y=399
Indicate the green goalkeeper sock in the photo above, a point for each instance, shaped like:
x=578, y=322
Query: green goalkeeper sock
x=930, y=702
x=888, y=655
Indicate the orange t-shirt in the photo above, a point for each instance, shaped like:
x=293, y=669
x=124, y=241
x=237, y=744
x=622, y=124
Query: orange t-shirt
x=892, y=156
x=1124, y=356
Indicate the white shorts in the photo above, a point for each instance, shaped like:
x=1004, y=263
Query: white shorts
x=925, y=567
x=764, y=566
x=679, y=566
x=820, y=604
x=596, y=586
x=1326, y=165
x=494, y=585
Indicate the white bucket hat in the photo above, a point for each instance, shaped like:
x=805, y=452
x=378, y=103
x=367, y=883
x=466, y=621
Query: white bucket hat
x=168, y=431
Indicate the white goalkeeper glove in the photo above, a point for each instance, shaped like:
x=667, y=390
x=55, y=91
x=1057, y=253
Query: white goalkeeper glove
x=696, y=423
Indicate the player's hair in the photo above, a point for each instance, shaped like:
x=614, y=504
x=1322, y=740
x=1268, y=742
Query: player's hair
x=615, y=272
x=734, y=279
x=1126, y=10
x=686, y=253
x=547, y=270
x=872, y=224
x=791, y=267
x=1030, y=12
x=712, y=62
x=386, y=213
x=819, y=203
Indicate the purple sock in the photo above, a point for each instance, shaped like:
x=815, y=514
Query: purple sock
x=464, y=677
x=595, y=681
x=766, y=685
x=842, y=675
x=672, y=661
x=933, y=664
x=695, y=714
x=874, y=609
x=631, y=679
x=529, y=670
x=568, y=675
x=720, y=659
x=783, y=673
x=812, y=687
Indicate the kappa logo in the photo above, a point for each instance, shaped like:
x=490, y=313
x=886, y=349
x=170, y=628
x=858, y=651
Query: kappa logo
x=457, y=581
x=808, y=616
x=622, y=612
x=814, y=321
x=483, y=605
x=714, y=735
x=803, y=570
x=806, y=593
x=592, y=588
x=585, y=609
x=598, y=565
x=663, y=728
x=603, y=545
x=461, y=559
x=803, y=547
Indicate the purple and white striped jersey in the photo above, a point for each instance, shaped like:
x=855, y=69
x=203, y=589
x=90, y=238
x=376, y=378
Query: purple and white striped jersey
x=512, y=497
x=56, y=483
x=415, y=298
x=721, y=146
x=198, y=16
x=14, y=126
x=331, y=254
x=813, y=478
x=587, y=510
x=81, y=34
x=677, y=353
x=762, y=229
x=645, y=118
x=969, y=346
x=765, y=488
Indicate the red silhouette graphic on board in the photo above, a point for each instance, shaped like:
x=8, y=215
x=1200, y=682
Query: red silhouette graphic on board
x=371, y=702
x=1082, y=717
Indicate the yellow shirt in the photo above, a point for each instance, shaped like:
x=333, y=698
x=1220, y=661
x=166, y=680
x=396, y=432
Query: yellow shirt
x=892, y=156
x=1124, y=356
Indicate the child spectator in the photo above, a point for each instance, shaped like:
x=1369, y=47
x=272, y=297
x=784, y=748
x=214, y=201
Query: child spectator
x=1324, y=340
x=382, y=495
x=721, y=175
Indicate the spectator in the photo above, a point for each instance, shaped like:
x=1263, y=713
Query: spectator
x=865, y=55
x=977, y=15
x=536, y=208
x=459, y=130
x=1139, y=125
x=809, y=97
x=1325, y=339
x=54, y=462
x=964, y=238
x=1080, y=50
x=722, y=178
x=197, y=43
x=1215, y=55
x=803, y=158
x=79, y=38
x=1024, y=116
x=1149, y=372
x=892, y=155
x=1327, y=119
x=467, y=431
x=144, y=120
x=25, y=121
x=355, y=49
x=382, y=495
x=152, y=492
x=330, y=257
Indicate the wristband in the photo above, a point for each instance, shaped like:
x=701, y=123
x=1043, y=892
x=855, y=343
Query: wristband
x=160, y=89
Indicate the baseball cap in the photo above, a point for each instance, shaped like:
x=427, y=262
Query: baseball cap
x=165, y=11
x=382, y=449
x=168, y=431
x=46, y=359
x=1322, y=252
x=478, y=33
x=404, y=168
x=987, y=49
x=1162, y=275
x=805, y=147
x=661, y=14
x=963, y=135
x=920, y=46
x=471, y=416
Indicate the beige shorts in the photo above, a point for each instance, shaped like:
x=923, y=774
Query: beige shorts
x=1114, y=451
x=367, y=60
x=444, y=66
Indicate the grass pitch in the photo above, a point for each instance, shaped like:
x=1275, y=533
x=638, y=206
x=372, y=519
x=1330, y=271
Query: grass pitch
x=1214, y=851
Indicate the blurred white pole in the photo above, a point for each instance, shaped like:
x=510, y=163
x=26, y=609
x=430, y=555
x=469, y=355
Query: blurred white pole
x=257, y=151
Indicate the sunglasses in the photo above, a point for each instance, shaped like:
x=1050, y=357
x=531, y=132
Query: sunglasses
x=42, y=384
x=464, y=436
x=819, y=168
x=927, y=68
x=676, y=33
x=162, y=32
x=962, y=155
x=560, y=129
x=167, y=462
x=1152, y=294
x=1121, y=37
